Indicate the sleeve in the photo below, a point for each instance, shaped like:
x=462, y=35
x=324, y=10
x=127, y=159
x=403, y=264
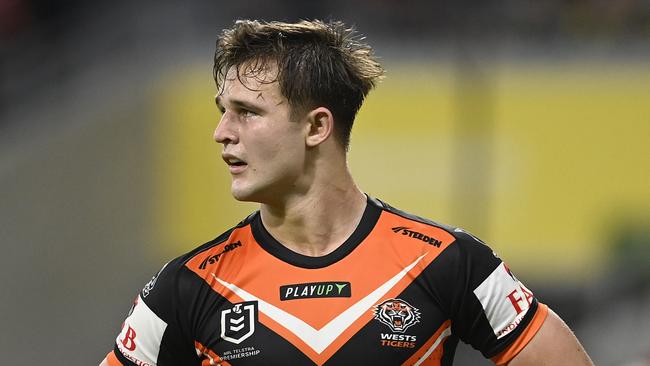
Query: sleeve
x=153, y=332
x=489, y=307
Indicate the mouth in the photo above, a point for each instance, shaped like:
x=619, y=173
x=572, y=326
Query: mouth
x=235, y=164
x=397, y=322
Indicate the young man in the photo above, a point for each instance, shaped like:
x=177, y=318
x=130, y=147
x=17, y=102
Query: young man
x=322, y=273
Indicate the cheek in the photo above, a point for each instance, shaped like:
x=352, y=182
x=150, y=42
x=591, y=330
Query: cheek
x=276, y=149
x=287, y=156
x=285, y=145
x=287, y=163
x=269, y=154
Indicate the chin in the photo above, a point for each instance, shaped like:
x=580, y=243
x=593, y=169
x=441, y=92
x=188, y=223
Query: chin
x=250, y=194
x=242, y=196
x=267, y=191
x=245, y=194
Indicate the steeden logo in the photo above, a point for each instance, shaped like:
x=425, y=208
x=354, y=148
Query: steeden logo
x=416, y=235
x=215, y=258
x=315, y=289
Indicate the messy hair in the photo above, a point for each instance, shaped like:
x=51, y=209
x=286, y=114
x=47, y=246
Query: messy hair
x=318, y=64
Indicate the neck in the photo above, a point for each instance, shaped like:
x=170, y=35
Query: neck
x=318, y=221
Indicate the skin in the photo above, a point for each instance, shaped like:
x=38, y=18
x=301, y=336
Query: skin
x=298, y=172
x=295, y=169
x=554, y=344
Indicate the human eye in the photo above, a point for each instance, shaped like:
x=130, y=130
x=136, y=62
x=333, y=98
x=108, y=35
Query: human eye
x=247, y=113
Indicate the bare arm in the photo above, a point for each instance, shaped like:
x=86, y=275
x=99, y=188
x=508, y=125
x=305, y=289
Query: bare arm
x=554, y=344
x=110, y=360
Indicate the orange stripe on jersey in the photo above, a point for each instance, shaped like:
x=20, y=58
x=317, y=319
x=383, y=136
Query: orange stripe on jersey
x=211, y=358
x=509, y=353
x=112, y=359
x=430, y=353
x=247, y=272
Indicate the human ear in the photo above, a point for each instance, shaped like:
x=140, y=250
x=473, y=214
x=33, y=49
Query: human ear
x=320, y=124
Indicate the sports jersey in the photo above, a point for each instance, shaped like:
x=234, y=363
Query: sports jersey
x=401, y=290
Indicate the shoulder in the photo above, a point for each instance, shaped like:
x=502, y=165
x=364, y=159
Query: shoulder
x=177, y=278
x=453, y=253
x=432, y=232
x=217, y=243
x=488, y=306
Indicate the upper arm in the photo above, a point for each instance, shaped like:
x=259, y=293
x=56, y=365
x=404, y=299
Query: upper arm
x=489, y=308
x=499, y=316
x=111, y=360
x=153, y=333
x=553, y=344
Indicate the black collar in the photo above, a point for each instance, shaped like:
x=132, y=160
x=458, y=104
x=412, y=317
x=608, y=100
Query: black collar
x=270, y=244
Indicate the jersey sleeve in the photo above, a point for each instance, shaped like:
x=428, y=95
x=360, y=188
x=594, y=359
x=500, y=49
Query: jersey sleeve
x=153, y=332
x=489, y=307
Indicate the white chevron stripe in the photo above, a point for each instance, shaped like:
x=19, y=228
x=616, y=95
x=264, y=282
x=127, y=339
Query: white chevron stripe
x=237, y=320
x=445, y=333
x=320, y=339
x=237, y=328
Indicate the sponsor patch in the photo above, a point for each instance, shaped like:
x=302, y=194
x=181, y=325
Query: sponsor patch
x=315, y=289
x=139, y=340
x=505, y=300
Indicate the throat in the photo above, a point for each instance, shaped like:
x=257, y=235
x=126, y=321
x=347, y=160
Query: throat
x=315, y=230
x=313, y=240
x=312, y=249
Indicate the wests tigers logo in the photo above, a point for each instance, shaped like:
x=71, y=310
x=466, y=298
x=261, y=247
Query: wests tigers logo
x=398, y=314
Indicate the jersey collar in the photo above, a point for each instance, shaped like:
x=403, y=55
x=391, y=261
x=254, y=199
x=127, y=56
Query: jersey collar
x=272, y=246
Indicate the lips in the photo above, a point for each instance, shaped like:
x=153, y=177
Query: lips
x=235, y=164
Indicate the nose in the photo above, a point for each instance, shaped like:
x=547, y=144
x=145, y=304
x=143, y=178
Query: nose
x=225, y=132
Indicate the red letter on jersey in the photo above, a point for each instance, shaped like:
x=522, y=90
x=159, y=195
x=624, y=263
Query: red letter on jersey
x=528, y=294
x=515, y=301
x=129, y=339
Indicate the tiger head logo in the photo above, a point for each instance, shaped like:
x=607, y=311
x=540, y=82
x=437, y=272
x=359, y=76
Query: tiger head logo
x=398, y=314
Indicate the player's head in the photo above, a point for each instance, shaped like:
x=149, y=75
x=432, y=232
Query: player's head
x=316, y=64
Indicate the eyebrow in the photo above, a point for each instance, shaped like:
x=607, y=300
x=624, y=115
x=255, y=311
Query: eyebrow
x=238, y=103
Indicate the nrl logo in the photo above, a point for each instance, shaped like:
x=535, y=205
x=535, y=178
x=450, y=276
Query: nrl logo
x=397, y=314
x=238, y=322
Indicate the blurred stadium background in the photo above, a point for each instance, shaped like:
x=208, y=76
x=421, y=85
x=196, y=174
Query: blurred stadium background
x=526, y=122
